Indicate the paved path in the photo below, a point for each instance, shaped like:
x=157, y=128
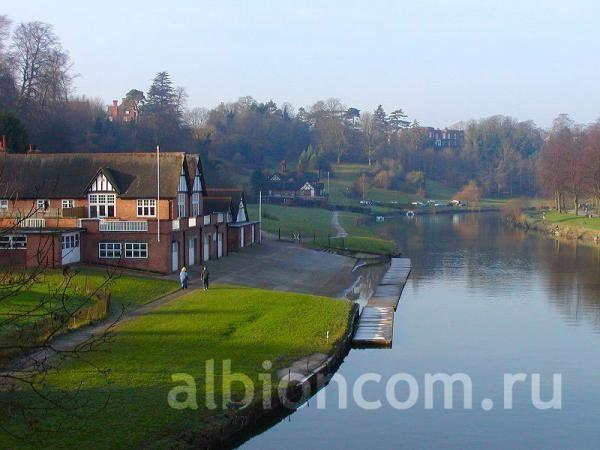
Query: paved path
x=339, y=230
x=283, y=266
x=270, y=265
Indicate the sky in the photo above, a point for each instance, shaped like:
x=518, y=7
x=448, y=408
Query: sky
x=440, y=61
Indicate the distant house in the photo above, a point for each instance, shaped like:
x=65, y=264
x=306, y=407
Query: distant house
x=104, y=208
x=294, y=188
x=122, y=112
x=445, y=138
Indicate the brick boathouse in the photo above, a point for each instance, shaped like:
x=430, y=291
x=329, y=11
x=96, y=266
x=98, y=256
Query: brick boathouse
x=104, y=208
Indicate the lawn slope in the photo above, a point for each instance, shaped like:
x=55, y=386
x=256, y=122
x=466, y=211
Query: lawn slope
x=244, y=325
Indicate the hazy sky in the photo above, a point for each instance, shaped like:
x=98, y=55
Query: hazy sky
x=441, y=61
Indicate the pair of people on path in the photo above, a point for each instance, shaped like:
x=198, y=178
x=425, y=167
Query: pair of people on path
x=184, y=277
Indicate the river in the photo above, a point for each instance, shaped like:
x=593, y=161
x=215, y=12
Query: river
x=483, y=300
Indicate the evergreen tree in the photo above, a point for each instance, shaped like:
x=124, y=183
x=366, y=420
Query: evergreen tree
x=14, y=130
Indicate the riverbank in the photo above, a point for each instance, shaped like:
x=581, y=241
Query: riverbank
x=319, y=228
x=567, y=227
x=124, y=385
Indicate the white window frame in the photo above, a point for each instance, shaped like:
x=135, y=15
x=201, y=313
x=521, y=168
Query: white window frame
x=13, y=242
x=3, y=205
x=136, y=250
x=40, y=204
x=195, y=204
x=181, y=197
x=146, y=207
x=67, y=203
x=69, y=241
x=102, y=201
x=109, y=250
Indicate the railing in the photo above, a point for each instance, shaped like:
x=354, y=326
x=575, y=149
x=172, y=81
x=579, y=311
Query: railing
x=207, y=220
x=175, y=225
x=32, y=223
x=123, y=225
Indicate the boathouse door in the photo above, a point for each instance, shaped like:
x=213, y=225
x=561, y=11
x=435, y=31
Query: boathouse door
x=174, y=256
x=192, y=252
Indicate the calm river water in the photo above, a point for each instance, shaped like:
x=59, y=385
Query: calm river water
x=482, y=300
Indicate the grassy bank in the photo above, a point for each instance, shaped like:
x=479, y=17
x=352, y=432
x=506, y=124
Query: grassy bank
x=563, y=226
x=51, y=292
x=315, y=227
x=289, y=219
x=244, y=325
x=565, y=220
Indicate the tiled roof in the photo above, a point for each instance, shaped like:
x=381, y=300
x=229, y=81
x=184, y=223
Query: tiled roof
x=66, y=175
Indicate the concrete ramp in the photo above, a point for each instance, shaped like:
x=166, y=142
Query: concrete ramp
x=376, y=322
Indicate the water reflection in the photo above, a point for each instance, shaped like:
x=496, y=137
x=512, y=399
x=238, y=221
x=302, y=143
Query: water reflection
x=484, y=300
x=482, y=249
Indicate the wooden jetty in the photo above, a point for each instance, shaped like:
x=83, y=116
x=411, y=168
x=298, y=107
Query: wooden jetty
x=376, y=322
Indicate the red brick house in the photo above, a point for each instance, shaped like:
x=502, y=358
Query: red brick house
x=241, y=231
x=105, y=208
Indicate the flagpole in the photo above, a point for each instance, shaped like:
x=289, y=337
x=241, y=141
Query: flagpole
x=259, y=216
x=157, y=193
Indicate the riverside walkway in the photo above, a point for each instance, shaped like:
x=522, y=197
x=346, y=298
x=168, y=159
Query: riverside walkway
x=376, y=322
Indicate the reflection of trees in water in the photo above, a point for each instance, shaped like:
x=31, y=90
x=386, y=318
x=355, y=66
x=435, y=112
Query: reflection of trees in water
x=484, y=250
x=573, y=277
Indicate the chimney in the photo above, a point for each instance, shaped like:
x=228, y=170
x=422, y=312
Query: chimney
x=115, y=103
x=30, y=148
x=3, y=145
x=282, y=167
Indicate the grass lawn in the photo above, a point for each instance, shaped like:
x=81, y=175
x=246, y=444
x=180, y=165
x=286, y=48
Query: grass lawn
x=244, y=325
x=45, y=294
x=290, y=219
x=570, y=220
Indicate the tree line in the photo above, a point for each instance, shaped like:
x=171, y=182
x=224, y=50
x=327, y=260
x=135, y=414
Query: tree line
x=501, y=155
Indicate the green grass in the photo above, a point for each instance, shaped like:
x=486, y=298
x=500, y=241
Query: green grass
x=45, y=294
x=290, y=219
x=571, y=220
x=311, y=222
x=244, y=325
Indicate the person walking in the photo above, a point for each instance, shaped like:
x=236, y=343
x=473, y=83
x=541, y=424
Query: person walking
x=183, y=278
x=205, y=278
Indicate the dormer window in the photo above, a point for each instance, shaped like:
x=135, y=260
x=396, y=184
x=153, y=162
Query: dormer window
x=181, y=205
x=195, y=204
x=101, y=205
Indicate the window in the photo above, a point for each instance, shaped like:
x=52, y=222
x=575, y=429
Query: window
x=109, y=250
x=42, y=204
x=146, y=207
x=13, y=242
x=101, y=205
x=181, y=205
x=65, y=204
x=195, y=204
x=69, y=241
x=136, y=250
x=3, y=205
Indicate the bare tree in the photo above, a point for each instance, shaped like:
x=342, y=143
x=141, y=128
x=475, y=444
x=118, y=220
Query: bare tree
x=369, y=131
x=41, y=66
x=31, y=321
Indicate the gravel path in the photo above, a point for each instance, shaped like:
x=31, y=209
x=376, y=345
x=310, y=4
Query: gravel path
x=335, y=221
